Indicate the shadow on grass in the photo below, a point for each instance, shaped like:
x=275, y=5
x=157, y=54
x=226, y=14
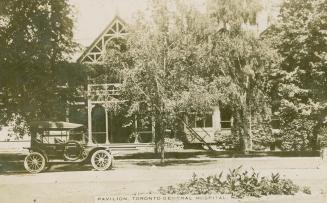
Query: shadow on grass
x=173, y=163
x=11, y=164
x=217, y=154
x=7, y=168
x=15, y=168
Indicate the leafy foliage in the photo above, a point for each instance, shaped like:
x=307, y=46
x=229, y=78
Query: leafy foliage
x=233, y=14
x=181, y=61
x=172, y=144
x=262, y=136
x=306, y=190
x=322, y=138
x=299, y=82
x=34, y=46
x=227, y=140
x=298, y=135
x=238, y=183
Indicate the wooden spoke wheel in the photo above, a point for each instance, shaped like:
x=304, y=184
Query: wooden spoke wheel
x=35, y=162
x=101, y=160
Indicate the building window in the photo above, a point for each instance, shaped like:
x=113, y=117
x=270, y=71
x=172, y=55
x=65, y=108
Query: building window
x=200, y=121
x=225, y=118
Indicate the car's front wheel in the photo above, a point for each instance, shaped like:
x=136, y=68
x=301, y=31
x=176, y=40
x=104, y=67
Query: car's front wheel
x=35, y=162
x=101, y=160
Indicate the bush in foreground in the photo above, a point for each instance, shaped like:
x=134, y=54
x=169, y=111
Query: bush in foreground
x=238, y=183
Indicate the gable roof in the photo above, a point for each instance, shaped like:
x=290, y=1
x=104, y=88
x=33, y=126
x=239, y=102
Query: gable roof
x=94, y=53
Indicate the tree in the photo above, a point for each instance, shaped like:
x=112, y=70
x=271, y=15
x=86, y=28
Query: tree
x=158, y=62
x=181, y=61
x=233, y=14
x=240, y=64
x=3, y=10
x=35, y=42
x=300, y=38
x=244, y=62
x=147, y=79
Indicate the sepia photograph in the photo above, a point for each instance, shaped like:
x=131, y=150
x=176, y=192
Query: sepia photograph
x=187, y=101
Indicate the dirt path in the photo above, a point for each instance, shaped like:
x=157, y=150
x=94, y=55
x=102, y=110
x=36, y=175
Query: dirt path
x=71, y=183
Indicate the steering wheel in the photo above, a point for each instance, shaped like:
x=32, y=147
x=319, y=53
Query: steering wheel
x=73, y=150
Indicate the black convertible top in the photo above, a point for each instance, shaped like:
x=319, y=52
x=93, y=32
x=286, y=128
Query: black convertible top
x=60, y=125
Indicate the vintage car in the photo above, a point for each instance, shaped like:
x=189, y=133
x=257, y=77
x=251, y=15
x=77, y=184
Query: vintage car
x=63, y=142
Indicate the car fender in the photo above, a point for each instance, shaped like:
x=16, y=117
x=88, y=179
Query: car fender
x=94, y=149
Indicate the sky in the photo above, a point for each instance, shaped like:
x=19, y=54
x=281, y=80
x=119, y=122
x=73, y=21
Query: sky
x=93, y=16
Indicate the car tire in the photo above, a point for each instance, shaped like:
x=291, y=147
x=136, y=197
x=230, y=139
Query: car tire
x=35, y=162
x=101, y=160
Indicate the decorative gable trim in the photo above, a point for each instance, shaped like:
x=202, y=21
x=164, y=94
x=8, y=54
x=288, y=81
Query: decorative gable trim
x=95, y=52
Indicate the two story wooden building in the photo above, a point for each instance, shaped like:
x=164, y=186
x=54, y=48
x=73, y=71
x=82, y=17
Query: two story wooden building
x=105, y=125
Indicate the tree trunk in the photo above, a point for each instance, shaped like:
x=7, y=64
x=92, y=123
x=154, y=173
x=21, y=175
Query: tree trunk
x=160, y=138
x=246, y=145
x=162, y=151
x=242, y=129
x=314, y=144
x=160, y=147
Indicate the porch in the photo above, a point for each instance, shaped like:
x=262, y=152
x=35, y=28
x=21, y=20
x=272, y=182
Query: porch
x=107, y=122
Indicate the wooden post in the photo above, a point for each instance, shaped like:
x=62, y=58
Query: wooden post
x=89, y=121
x=216, y=119
x=323, y=156
x=136, y=130
x=185, y=117
x=67, y=113
x=153, y=129
x=111, y=126
x=107, y=127
x=250, y=129
x=135, y=123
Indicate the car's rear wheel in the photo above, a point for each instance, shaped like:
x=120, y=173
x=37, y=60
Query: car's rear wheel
x=35, y=162
x=101, y=160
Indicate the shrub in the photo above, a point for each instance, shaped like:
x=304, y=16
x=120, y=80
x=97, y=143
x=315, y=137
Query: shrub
x=237, y=183
x=262, y=136
x=172, y=145
x=297, y=135
x=306, y=190
x=227, y=140
x=322, y=137
x=261, y=133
